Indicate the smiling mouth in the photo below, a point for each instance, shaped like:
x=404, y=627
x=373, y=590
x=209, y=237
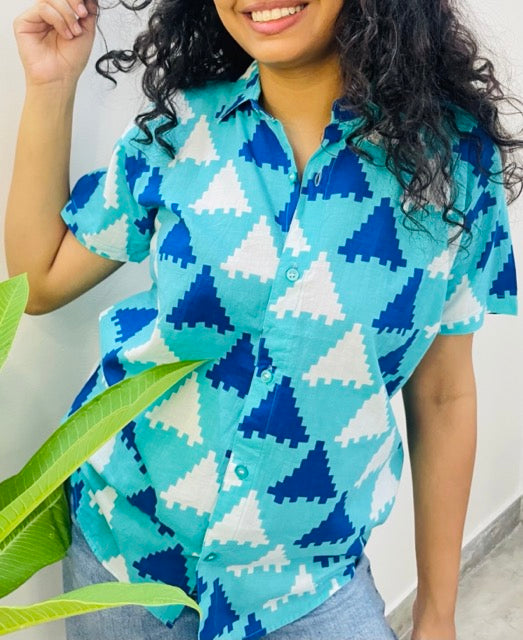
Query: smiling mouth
x=271, y=15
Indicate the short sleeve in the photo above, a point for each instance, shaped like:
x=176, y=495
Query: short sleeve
x=107, y=211
x=483, y=275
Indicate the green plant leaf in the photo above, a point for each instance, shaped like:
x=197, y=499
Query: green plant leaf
x=13, y=300
x=81, y=435
x=41, y=539
x=93, y=598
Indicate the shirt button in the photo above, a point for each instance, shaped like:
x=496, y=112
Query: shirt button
x=292, y=274
x=210, y=557
x=241, y=471
x=293, y=176
x=267, y=376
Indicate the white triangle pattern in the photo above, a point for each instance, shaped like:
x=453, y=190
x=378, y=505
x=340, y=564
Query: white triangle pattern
x=378, y=460
x=100, y=459
x=198, y=147
x=111, y=182
x=345, y=362
x=241, y=525
x=432, y=330
x=225, y=193
x=115, y=235
x=230, y=479
x=384, y=492
x=180, y=411
x=154, y=350
x=463, y=306
x=442, y=264
x=117, y=567
x=303, y=583
x=197, y=489
x=296, y=241
x=313, y=293
x=371, y=420
x=184, y=112
x=335, y=586
x=256, y=256
x=104, y=499
x=274, y=559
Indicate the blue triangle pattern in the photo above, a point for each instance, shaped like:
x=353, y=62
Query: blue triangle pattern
x=151, y=196
x=130, y=321
x=312, y=480
x=391, y=362
x=176, y=246
x=201, y=304
x=167, y=566
x=265, y=148
x=336, y=527
x=399, y=313
x=135, y=167
x=83, y=191
x=146, y=502
x=145, y=225
x=264, y=360
x=85, y=392
x=284, y=217
x=356, y=548
x=128, y=436
x=75, y=495
x=332, y=133
x=498, y=235
x=483, y=204
x=468, y=148
x=254, y=630
x=112, y=367
x=392, y=385
x=376, y=238
x=277, y=416
x=220, y=615
x=506, y=279
x=201, y=585
x=343, y=176
x=236, y=369
x=354, y=551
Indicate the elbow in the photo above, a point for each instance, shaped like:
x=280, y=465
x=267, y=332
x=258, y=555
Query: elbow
x=41, y=299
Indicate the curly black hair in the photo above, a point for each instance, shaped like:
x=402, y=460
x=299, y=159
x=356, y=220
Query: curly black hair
x=415, y=60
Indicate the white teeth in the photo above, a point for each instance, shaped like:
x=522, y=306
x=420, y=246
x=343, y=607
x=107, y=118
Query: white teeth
x=267, y=15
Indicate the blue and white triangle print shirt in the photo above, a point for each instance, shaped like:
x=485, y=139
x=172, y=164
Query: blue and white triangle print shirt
x=255, y=483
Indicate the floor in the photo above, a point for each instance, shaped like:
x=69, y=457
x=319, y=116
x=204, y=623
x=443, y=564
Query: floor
x=490, y=596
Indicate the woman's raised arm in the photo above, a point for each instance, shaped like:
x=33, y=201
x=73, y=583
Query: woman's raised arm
x=54, y=38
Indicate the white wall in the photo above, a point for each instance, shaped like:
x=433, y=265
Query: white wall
x=53, y=354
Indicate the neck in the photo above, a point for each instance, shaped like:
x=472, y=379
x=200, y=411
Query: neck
x=302, y=95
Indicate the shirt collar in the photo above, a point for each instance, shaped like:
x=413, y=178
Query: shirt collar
x=247, y=89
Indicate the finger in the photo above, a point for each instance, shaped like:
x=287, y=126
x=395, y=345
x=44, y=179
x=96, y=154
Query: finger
x=67, y=9
x=55, y=19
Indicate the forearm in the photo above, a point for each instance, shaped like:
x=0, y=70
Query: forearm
x=40, y=184
x=442, y=444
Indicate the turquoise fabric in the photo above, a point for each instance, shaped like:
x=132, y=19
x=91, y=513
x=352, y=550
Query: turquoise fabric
x=256, y=483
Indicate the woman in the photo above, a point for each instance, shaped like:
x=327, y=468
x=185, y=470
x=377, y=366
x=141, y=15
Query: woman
x=318, y=188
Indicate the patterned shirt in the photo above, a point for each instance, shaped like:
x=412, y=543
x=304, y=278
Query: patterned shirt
x=255, y=483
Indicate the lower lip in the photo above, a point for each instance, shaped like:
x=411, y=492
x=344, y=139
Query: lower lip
x=274, y=27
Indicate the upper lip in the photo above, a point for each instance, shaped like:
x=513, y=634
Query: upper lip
x=275, y=4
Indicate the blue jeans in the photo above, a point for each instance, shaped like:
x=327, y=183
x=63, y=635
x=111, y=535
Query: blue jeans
x=354, y=612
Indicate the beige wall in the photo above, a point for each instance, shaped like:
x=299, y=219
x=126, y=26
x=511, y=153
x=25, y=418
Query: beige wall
x=53, y=354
